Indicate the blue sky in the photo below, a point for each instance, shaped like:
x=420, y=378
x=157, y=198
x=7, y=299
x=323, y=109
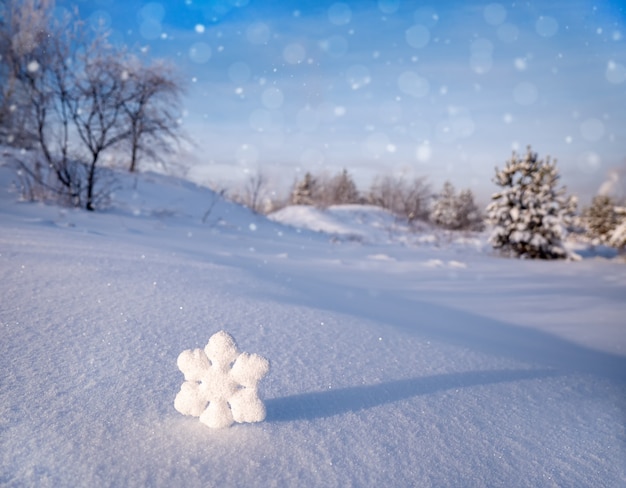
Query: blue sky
x=445, y=90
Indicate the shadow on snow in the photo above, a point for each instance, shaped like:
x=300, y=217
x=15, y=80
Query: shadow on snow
x=322, y=404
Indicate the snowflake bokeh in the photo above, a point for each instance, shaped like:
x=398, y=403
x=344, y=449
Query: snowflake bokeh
x=221, y=383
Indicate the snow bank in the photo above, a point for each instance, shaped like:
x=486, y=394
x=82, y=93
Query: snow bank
x=364, y=223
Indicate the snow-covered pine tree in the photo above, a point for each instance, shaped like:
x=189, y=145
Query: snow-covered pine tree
x=529, y=213
x=469, y=215
x=600, y=219
x=444, y=212
x=304, y=191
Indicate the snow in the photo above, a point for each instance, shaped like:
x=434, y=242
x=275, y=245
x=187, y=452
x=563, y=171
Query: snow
x=385, y=369
x=217, y=392
x=365, y=223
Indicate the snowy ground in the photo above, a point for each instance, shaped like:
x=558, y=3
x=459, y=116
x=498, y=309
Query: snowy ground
x=399, y=362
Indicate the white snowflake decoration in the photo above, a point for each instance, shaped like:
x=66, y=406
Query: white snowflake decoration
x=221, y=383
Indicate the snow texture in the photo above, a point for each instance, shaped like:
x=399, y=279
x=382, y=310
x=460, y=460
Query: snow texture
x=221, y=383
x=399, y=370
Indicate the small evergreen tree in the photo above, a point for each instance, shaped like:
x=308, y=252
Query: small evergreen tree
x=456, y=212
x=445, y=209
x=600, y=219
x=343, y=189
x=304, y=192
x=469, y=215
x=529, y=213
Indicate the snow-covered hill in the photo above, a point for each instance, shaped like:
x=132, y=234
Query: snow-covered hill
x=394, y=362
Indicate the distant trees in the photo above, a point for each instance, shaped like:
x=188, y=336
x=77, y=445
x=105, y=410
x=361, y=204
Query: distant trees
x=324, y=191
x=529, y=213
x=151, y=107
x=456, y=212
x=600, y=219
x=305, y=191
x=255, y=194
x=342, y=189
x=605, y=222
x=79, y=97
x=408, y=199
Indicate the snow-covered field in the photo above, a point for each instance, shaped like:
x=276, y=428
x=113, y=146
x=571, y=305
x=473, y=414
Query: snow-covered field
x=412, y=360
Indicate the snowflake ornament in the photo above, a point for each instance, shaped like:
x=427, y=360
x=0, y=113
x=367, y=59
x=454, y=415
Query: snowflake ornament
x=220, y=383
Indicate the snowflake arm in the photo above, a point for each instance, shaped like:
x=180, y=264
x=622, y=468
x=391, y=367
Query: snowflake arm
x=221, y=383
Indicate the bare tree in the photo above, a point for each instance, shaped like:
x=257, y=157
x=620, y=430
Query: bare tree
x=151, y=106
x=44, y=79
x=95, y=104
x=255, y=192
x=408, y=199
x=416, y=198
x=386, y=192
x=83, y=97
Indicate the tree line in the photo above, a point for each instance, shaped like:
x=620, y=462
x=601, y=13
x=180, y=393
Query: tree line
x=530, y=215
